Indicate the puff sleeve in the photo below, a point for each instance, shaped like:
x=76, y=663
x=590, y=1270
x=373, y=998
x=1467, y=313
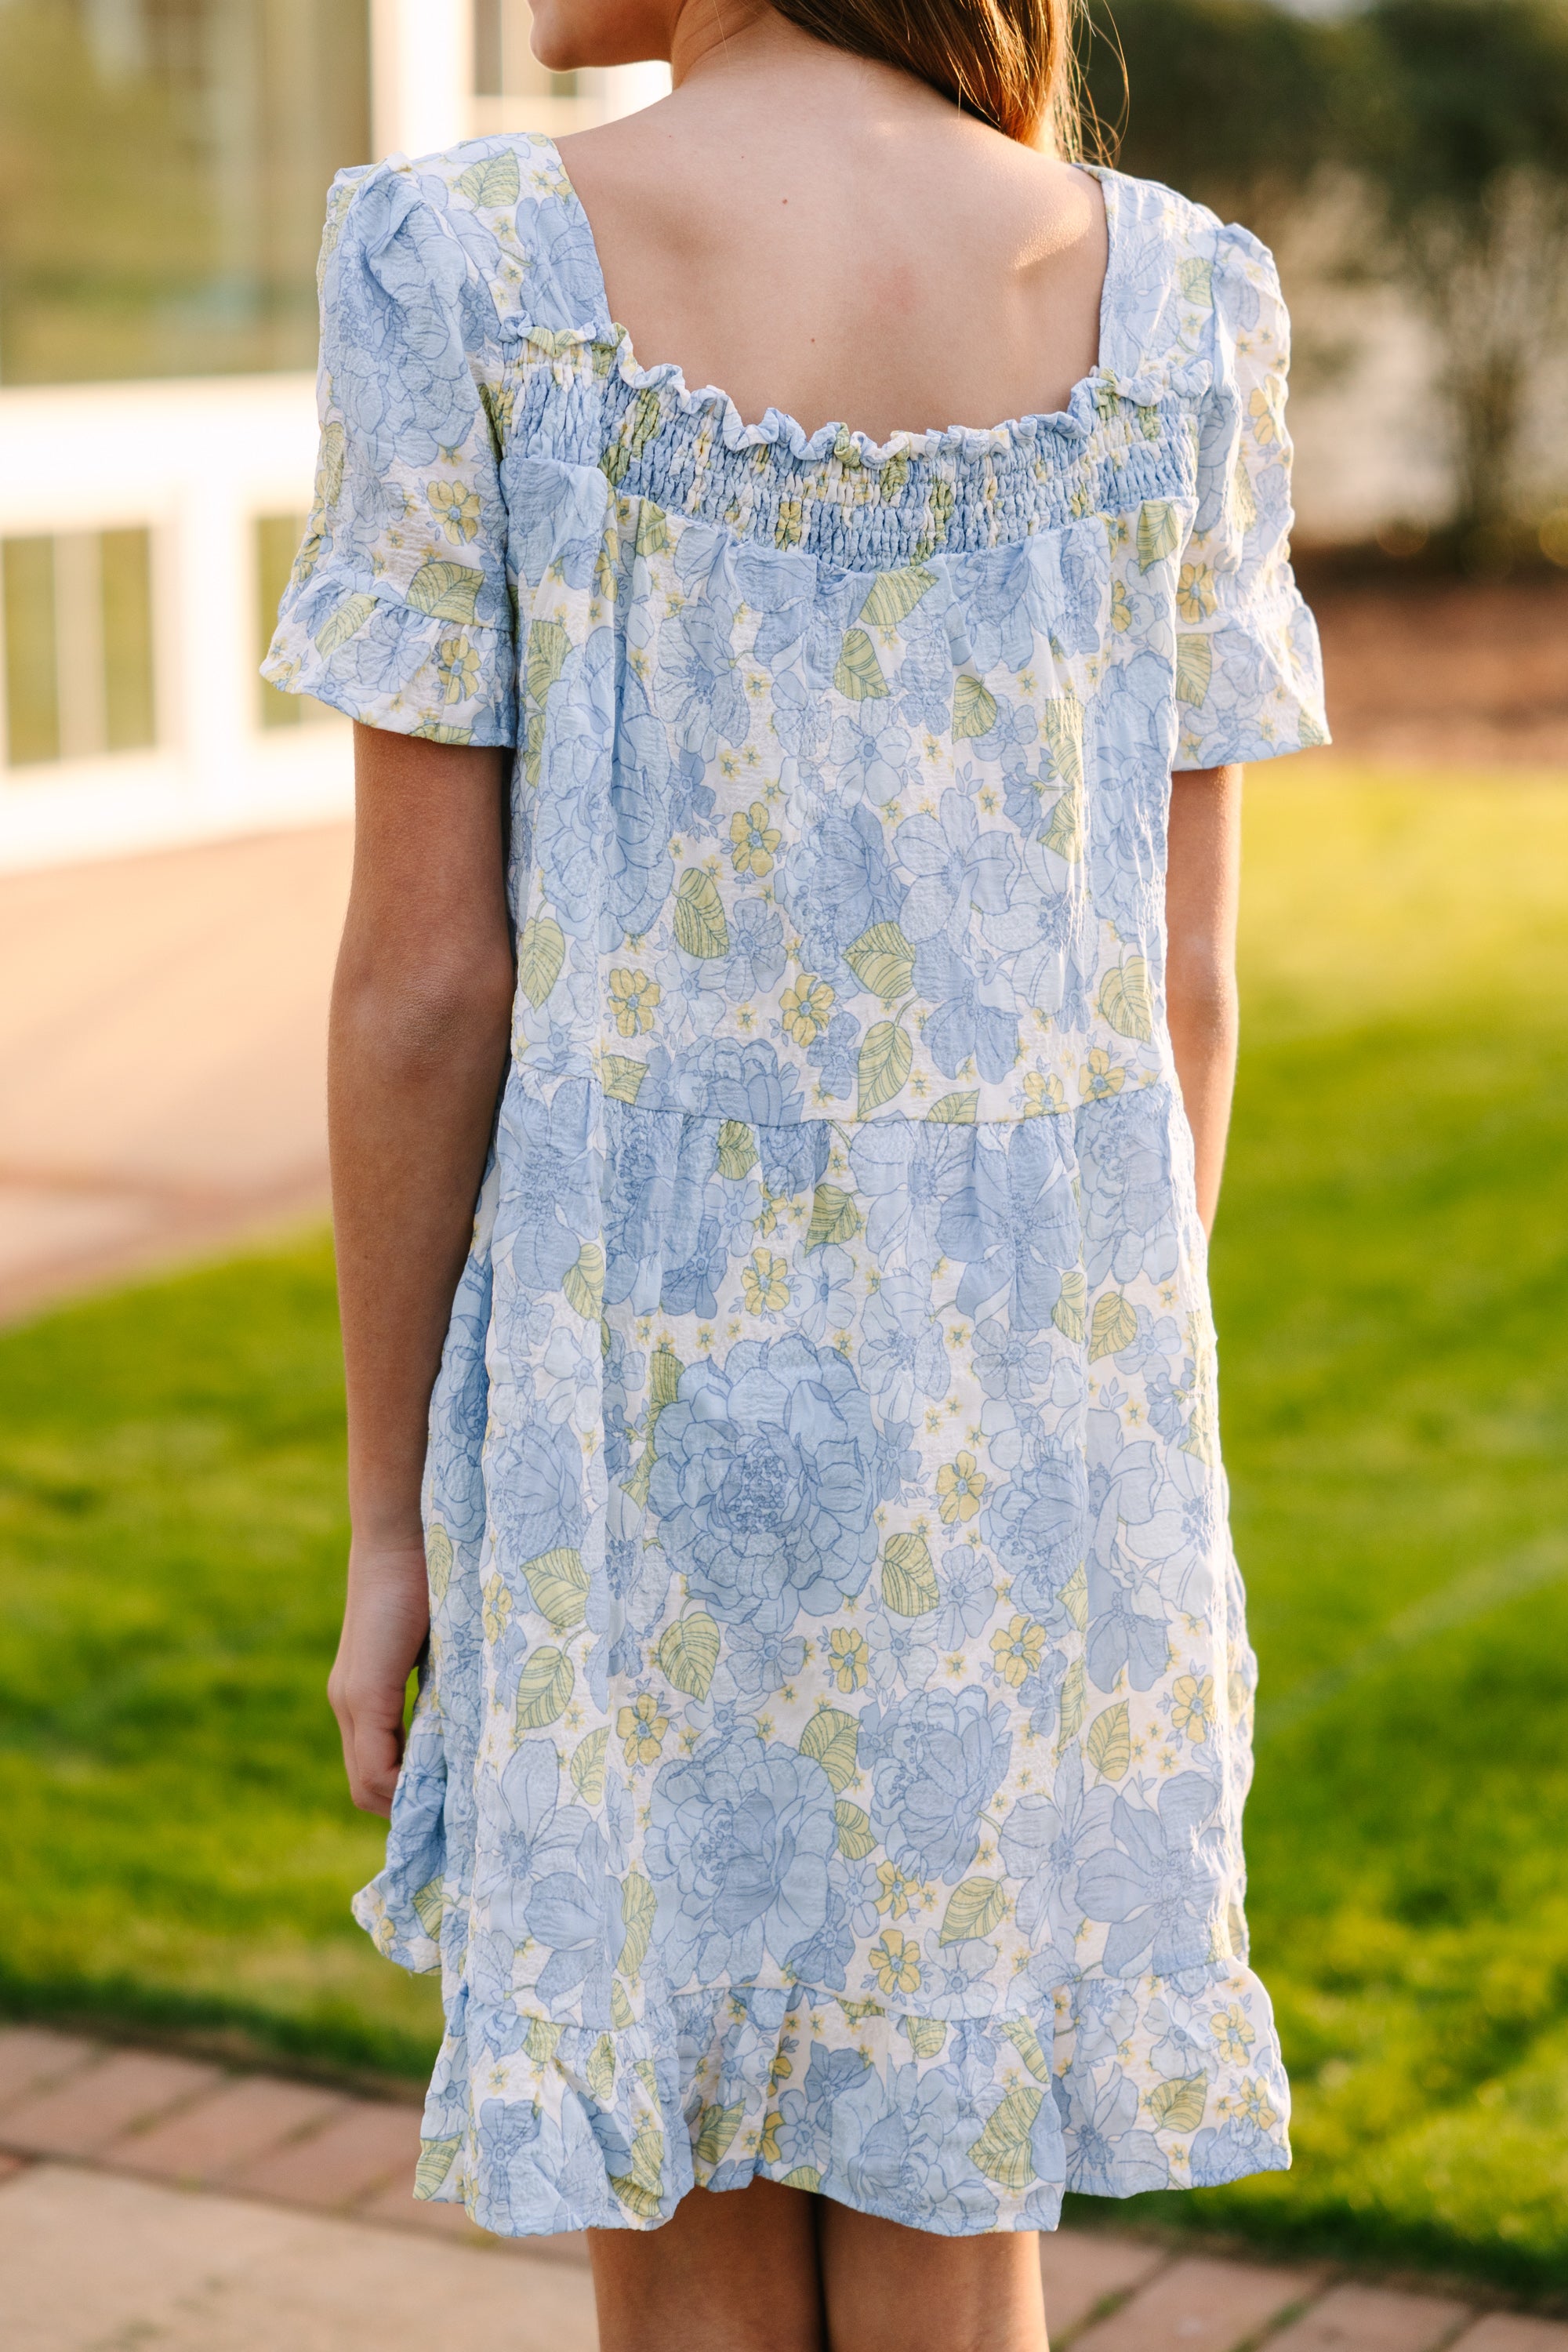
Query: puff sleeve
x=1249, y=678
x=398, y=609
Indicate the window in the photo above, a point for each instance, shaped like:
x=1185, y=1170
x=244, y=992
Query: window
x=167, y=164
x=79, y=645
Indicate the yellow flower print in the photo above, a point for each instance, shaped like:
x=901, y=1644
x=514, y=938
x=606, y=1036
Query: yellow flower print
x=1120, y=608
x=1100, y=1076
x=1017, y=1651
x=640, y=1728
x=805, y=1008
x=458, y=667
x=847, y=1657
x=1234, y=2033
x=1253, y=2106
x=1262, y=407
x=895, y=1962
x=634, y=995
x=1195, y=595
x=458, y=508
x=1191, y=1705
x=960, y=1483
x=1043, y=1091
x=753, y=840
x=893, y=1889
x=497, y=1609
x=765, y=1281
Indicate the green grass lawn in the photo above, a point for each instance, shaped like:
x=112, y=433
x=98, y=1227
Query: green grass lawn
x=1392, y=1299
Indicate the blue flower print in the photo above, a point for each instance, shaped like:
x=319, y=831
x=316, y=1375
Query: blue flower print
x=937, y=1760
x=901, y=1652
x=967, y=1583
x=976, y=1017
x=575, y=1915
x=723, y=1077
x=699, y=687
x=903, y=1354
x=1008, y=1363
x=638, y=867
x=738, y=1840
x=1044, y=1843
x=1036, y=1525
x=1107, y=2155
x=542, y=1505
x=760, y=1488
x=906, y=1173
x=1125, y=1160
x=524, y=1832
x=869, y=751
x=836, y=882
x=825, y=1293
x=1156, y=1883
x=1015, y=1223
x=1231, y=2153
x=900, y=2149
x=692, y=990
x=757, y=961
x=834, y=1056
x=957, y=868
x=760, y=1663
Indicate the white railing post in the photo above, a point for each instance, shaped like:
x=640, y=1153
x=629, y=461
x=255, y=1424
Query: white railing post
x=421, y=74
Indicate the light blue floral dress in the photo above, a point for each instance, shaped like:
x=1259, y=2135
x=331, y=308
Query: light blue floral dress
x=831, y=1761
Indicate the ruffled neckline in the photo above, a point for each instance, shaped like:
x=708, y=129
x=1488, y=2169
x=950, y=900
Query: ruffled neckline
x=837, y=442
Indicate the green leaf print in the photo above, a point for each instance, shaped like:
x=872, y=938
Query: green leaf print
x=689, y=1652
x=1108, y=1743
x=588, y=1765
x=1124, y=999
x=955, y=1110
x=908, y=1579
x=834, y=1217
x=584, y=1283
x=856, y=1837
x=737, y=1149
x=430, y=1904
x=342, y=621
x=858, y=676
x=493, y=181
x=925, y=2036
x=884, y=1065
x=1027, y=2043
x=446, y=591
x=638, y=1902
x=623, y=1076
x=1194, y=667
x=1179, y=2105
x=1114, y=1326
x=540, y=952
x=830, y=1740
x=1159, y=532
x=1068, y=1312
x=974, y=707
x=436, y=2158
x=329, y=462
x=438, y=1560
x=1001, y=2152
x=893, y=595
x=973, y=1909
x=601, y=2070
x=883, y=962
x=699, y=925
x=559, y=1583
x=545, y=1689
x=715, y=2130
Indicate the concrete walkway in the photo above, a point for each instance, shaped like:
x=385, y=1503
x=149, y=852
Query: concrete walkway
x=169, y=2205
x=162, y=1027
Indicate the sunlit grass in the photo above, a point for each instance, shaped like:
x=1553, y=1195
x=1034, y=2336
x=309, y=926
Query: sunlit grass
x=1390, y=1274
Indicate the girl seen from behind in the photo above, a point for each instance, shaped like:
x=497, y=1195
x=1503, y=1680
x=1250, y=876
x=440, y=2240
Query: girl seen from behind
x=794, y=900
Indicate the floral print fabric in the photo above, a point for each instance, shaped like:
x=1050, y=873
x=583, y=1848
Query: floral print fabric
x=831, y=1759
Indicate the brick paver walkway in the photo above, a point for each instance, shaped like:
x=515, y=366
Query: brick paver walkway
x=175, y=2206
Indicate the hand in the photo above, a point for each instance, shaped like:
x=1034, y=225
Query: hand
x=385, y=1622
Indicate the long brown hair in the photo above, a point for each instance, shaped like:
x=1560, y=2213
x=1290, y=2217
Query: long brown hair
x=1008, y=61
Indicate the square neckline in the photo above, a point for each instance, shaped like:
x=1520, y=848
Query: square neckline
x=668, y=374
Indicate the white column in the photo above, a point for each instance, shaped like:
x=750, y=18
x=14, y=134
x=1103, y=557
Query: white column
x=421, y=74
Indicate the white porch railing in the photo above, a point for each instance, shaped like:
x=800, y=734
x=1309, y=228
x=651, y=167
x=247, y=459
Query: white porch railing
x=200, y=467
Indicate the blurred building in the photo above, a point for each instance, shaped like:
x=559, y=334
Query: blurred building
x=164, y=166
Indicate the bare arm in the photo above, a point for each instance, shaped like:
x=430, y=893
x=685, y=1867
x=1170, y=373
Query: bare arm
x=1202, y=886
x=417, y=1045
